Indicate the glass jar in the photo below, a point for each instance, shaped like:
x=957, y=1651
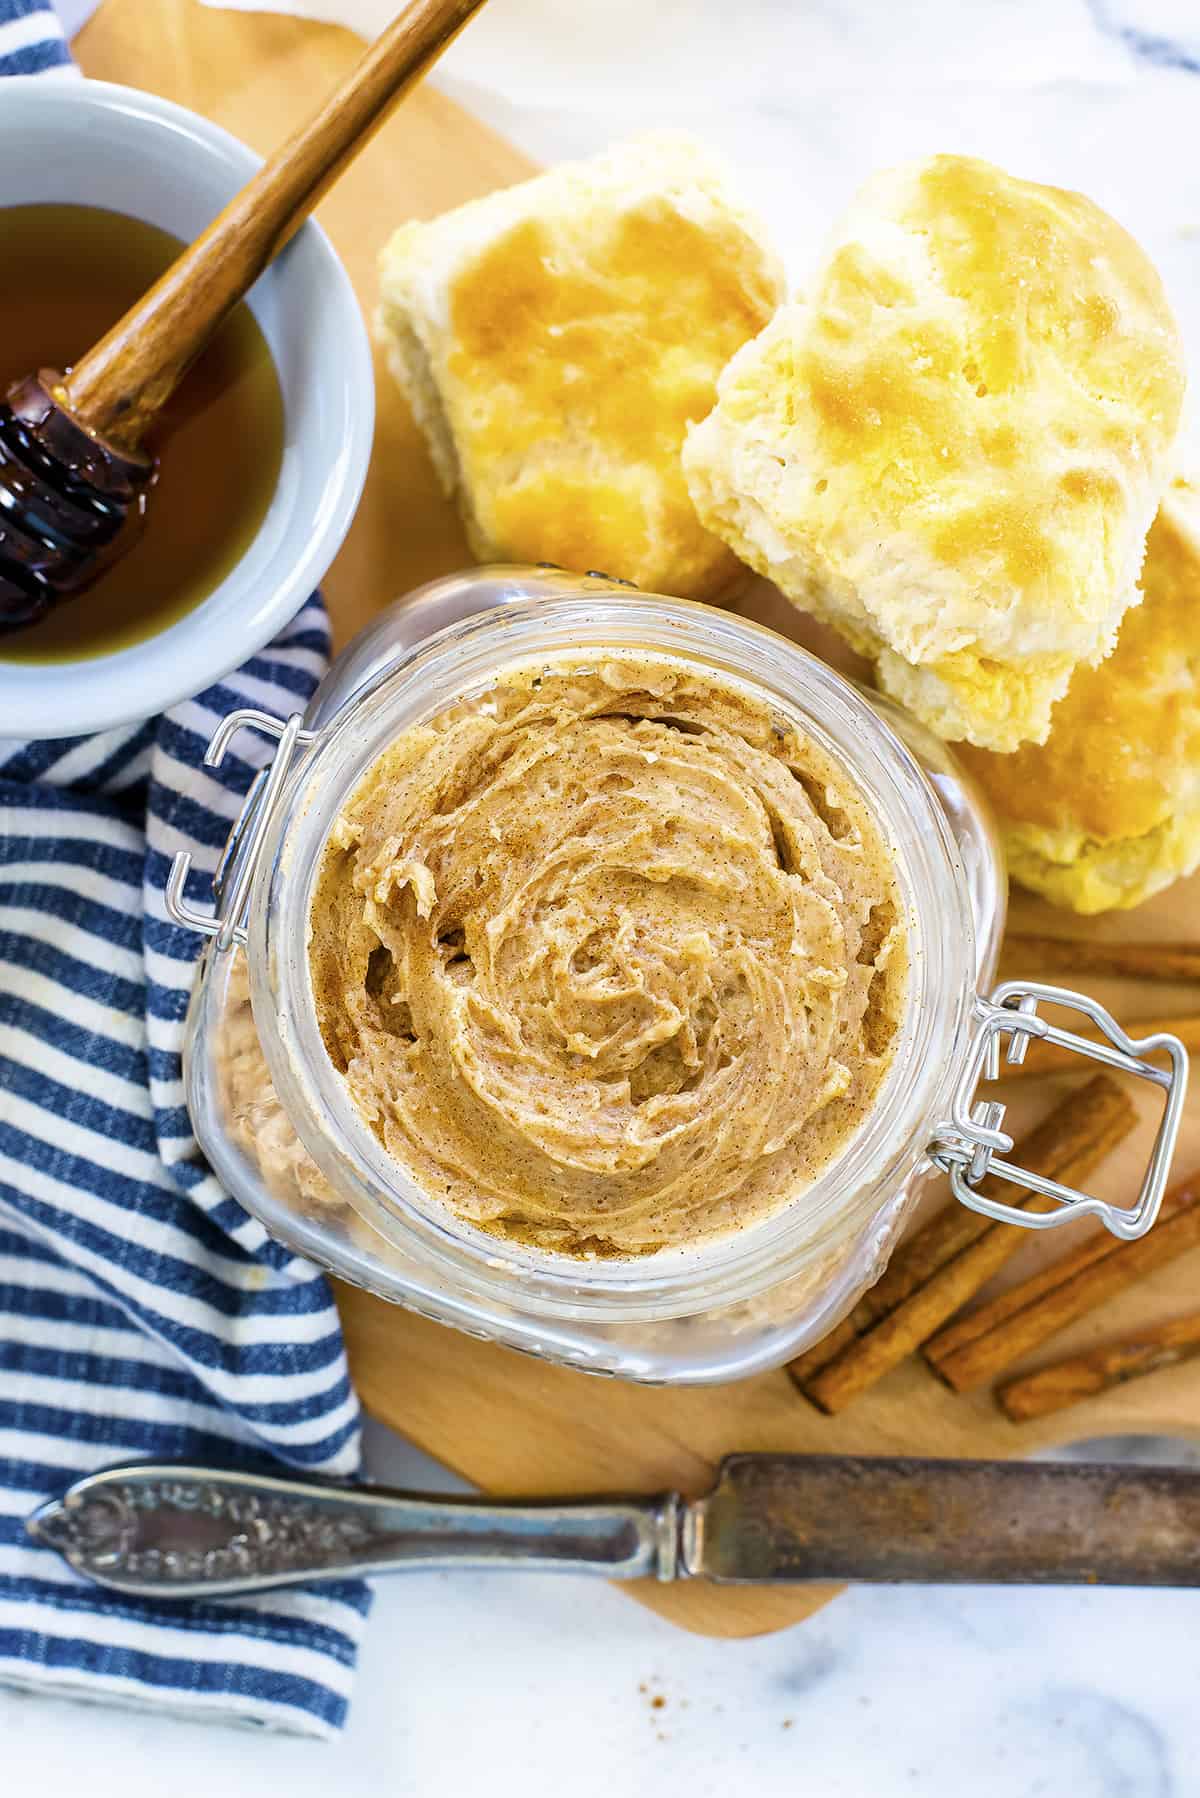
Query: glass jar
x=279, y=1126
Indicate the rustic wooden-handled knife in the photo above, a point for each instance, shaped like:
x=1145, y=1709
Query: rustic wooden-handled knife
x=186, y=1532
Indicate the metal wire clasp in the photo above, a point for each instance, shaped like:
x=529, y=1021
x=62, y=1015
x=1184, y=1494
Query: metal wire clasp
x=969, y=1146
x=235, y=870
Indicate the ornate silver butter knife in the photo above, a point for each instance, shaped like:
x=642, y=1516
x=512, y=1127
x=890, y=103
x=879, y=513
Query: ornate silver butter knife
x=189, y=1532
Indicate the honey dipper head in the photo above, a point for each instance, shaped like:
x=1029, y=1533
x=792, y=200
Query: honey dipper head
x=69, y=502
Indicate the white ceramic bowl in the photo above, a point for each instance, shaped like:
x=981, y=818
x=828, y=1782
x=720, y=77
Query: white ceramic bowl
x=92, y=144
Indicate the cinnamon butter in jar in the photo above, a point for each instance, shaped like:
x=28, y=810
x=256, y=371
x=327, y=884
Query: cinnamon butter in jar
x=603, y=975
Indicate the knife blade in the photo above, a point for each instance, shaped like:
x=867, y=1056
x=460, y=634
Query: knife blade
x=180, y=1531
x=817, y=1517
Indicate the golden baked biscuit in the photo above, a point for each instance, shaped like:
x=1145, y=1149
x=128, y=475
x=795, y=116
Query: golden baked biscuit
x=952, y=449
x=1107, y=810
x=556, y=339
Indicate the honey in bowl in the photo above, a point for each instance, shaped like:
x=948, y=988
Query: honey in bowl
x=219, y=439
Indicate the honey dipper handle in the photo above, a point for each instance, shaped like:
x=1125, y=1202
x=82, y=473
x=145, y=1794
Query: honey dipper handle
x=118, y=387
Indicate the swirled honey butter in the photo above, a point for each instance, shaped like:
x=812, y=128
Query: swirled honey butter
x=610, y=956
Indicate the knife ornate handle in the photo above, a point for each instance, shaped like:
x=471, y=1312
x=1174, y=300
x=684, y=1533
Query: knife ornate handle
x=191, y=1532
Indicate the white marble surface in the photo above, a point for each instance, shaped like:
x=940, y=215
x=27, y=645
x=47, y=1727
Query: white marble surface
x=533, y=1686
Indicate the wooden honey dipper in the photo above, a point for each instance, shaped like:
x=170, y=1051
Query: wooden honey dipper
x=74, y=478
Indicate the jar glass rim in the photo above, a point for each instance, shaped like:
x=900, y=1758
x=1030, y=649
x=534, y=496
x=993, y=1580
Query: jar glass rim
x=880, y=1154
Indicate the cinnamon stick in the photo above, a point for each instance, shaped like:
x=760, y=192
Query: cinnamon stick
x=1083, y=1376
x=821, y=1353
x=1073, y=955
x=984, y=1345
x=954, y=1229
x=914, y=1262
x=1052, y=1058
x=925, y=1292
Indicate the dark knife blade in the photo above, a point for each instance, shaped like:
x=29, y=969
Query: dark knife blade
x=836, y=1517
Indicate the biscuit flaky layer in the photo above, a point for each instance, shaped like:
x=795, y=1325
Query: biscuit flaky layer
x=1107, y=810
x=953, y=447
x=555, y=341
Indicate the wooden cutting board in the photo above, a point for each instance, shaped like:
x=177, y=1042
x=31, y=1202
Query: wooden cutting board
x=507, y=1422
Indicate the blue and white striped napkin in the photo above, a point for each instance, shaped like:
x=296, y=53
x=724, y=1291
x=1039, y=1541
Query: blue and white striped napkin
x=31, y=41
x=142, y=1311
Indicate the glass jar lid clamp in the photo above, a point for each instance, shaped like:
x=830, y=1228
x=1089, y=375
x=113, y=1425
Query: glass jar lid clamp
x=234, y=872
x=968, y=1146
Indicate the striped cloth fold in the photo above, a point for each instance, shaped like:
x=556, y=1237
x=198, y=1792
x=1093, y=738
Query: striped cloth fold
x=31, y=42
x=143, y=1312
